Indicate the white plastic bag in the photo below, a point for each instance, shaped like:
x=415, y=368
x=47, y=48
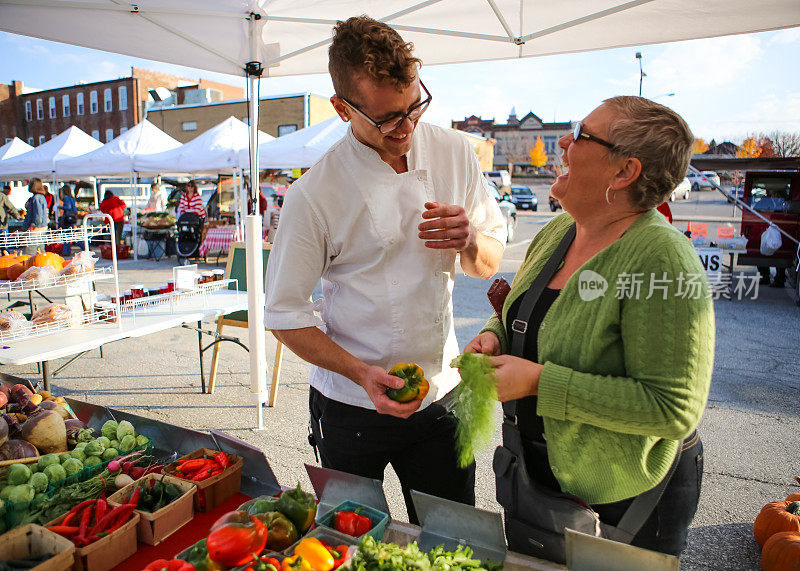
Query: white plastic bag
x=81, y=263
x=12, y=321
x=770, y=240
x=38, y=276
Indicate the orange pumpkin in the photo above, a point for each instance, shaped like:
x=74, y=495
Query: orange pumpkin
x=5, y=263
x=793, y=498
x=776, y=517
x=22, y=258
x=41, y=260
x=15, y=271
x=781, y=552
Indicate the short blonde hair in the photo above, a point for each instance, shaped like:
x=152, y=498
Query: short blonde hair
x=659, y=138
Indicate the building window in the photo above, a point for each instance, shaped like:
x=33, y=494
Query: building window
x=189, y=125
x=65, y=105
x=93, y=102
x=550, y=144
x=30, y=141
x=107, y=100
x=39, y=109
x=28, y=112
x=96, y=134
x=52, y=105
x=122, y=130
x=123, y=98
x=109, y=134
x=286, y=129
x=41, y=139
x=79, y=103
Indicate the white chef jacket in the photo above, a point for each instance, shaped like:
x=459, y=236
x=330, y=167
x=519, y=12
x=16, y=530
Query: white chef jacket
x=352, y=221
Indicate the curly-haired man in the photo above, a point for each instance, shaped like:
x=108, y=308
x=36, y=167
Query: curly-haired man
x=380, y=220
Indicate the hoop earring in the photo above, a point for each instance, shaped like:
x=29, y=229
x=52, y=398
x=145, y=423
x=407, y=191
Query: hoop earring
x=607, y=199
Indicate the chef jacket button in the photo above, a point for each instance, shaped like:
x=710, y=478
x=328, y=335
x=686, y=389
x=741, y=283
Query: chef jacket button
x=437, y=273
x=420, y=177
x=401, y=331
x=395, y=282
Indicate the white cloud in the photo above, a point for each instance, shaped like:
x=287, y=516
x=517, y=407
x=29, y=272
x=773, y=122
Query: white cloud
x=785, y=37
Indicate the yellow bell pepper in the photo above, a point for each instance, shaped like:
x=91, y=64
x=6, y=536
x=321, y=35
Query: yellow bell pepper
x=295, y=563
x=317, y=555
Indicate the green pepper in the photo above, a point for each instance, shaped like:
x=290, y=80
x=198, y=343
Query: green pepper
x=416, y=386
x=299, y=506
x=262, y=506
x=282, y=532
x=198, y=556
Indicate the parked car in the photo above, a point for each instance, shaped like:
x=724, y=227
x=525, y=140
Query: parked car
x=507, y=208
x=500, y=178
x=706, y=179
x=524, y=198
x=554, y=203
x=681, y=191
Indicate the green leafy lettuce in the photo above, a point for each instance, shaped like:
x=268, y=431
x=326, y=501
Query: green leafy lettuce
x=475, y=398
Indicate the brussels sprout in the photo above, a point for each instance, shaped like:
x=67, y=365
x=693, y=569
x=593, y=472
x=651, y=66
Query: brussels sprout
x=39, y=482
x=106, y=442
x=64, y=457
x=85, y=436
x=47, y=460
x=110, y=454
x=79, y=454
x=128, y=443
x=113, y=444
x=18, y=474
x=5, y=492
x=34, y=467
x=80, y=446
x=92, y=461
x=109, y=429
x=72, y=466
x=55, y=473
x=22, y=494
x=94, y=448
x=125, y=428
x=141, y=440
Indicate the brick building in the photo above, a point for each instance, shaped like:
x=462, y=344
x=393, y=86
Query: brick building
x=516, y=137
x=277, y=115
x=104, y=109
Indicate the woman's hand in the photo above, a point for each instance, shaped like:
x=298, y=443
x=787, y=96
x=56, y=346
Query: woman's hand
x=516, y=377
x=486, y=343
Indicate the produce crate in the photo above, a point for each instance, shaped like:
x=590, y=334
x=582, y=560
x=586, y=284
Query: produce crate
x=379, y=519
x=326, y=534
x=32, y=541
x=211, y=492
x=155, y=527
x=92, y=471
x=108, y=552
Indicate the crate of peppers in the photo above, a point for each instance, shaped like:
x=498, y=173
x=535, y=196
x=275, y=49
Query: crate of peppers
x=216, y=474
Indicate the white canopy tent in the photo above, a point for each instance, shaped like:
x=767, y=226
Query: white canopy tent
x=300, y=149
x=115, y=158
x=290, y=37
x=41, y=160
x=14, y=147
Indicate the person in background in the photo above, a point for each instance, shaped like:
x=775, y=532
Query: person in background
x=36, y=218
x=69, y=209
x=114, y=207
x=191, y=201
x=50, y=199
x=158, y=199
x=6, y=209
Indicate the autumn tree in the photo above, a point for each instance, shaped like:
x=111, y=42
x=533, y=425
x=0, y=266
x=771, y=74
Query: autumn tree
x=537, y=154
x=700, y=147
x=749, y=149
x=767, y=148
x=785, y=144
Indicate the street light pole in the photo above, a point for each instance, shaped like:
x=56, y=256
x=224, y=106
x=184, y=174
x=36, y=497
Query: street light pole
x=641, y=73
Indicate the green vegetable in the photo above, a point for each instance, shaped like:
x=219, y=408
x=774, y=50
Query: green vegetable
x=113, y=444
x=105, y=442
x=475, y=404
x=34, y=467
x=110, y=454
x=85, y=435
x=6, y=492
x=124, y=428
x=94, y=448
x=72, y=466
x=262, y=506
x=92, y=461
x=18, y=474
x=141, y=440
x=79, y=455
x=127, y=443
x=64, y=457
x=22, y=494
x=374, y=555
x=109, y=429
x=47, y=460
x=55, y=473
x=39, y=482
x=80, y=445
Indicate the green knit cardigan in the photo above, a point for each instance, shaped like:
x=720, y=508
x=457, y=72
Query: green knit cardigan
x=625, y=377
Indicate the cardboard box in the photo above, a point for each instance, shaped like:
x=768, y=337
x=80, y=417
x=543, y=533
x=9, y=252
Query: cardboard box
x=32, y=541
x=155, y=527
x=211, y=492
x=107, y=552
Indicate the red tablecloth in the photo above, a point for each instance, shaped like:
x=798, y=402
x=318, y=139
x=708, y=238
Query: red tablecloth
x=219, y=239
x=186, y=536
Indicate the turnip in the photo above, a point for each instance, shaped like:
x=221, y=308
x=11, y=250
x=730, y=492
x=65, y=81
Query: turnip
x=122, y=480
x=46, y=431
x=50, y=405
x=17, y=450
x=3, y=431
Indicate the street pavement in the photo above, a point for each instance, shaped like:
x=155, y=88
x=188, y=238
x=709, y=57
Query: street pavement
x=749, y=429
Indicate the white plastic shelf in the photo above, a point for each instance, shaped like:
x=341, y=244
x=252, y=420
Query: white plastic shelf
x=175, y=298
x=16, y=286
x=24, y=239
x=87, y=318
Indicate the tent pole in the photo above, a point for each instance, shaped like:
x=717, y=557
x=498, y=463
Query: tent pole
x=135, y=216
x=253, y=241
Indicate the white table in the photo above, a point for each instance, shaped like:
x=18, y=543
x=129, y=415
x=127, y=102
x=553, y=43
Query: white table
x=77, y=340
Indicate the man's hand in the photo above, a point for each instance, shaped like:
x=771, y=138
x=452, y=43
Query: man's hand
x=486, y=343
x=446, y=227
x=376, y=381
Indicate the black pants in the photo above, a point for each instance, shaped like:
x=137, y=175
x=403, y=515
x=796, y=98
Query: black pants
x=421, y=449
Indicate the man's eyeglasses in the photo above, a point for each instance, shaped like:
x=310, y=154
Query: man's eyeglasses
x=389, y=125
x=578, y=133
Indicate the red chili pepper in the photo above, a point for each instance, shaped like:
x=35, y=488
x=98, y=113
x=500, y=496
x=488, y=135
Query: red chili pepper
x=201, y=475
x=65, y=530
x=101, y=507
x=173, y=565
x=194, y=465
x=352, y=523
x=109, y=518
x=215, y=472
x=134, y=499
x=75, y=511
x=222, y=458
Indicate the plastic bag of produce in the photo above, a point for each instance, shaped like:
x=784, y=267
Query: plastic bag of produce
x=51, y=314
x=38, y=276
x=81, y=263
x=12, y=321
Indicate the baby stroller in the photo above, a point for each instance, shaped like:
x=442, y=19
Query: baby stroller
x=190, y=235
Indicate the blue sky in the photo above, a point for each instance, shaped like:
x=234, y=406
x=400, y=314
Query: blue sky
x=726, y=88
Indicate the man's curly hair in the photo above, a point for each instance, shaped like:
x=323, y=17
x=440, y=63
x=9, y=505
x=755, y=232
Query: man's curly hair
x=364, y=45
